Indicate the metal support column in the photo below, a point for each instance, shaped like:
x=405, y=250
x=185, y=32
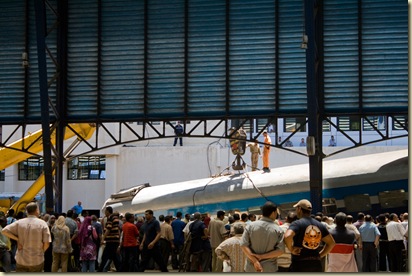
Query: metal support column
x=62, y=8
x=314, y=118
x=40, y=14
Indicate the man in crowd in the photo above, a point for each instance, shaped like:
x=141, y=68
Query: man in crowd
x=370, y=242
x=111, y=238
x=166, y=239
x=396, y=234
x=129, y=244
x=303, y=239
x=33, y=238
x=199, y=251
x=149, y=246
x=262, y=241
x=78, y=208
x=342, y=256
x=285, y=259
x=218, y=234
x=177, y=225
x=230, y=251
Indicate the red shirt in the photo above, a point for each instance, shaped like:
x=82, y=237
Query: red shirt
x=130, y=235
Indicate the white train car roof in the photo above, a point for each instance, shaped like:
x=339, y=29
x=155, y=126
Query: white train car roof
x=337, y=173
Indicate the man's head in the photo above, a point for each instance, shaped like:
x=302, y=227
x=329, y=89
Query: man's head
x=148, y=214
x=303, y=208
x=79, y=203
x=368, y=218
x=269, y=210
x=197, y=216
x=340, y=219
x=129, y=217
x=394, y=217
x=179, y=214
x=252, y=217
x=291, y=217
x=108, y=211
x=220, y=214
x=32, y=209
x=236, y=216
x=238, y=228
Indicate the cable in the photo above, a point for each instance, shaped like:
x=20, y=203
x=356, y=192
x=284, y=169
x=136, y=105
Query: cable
x=204, y=188
x=245, y=174
x=256, y=188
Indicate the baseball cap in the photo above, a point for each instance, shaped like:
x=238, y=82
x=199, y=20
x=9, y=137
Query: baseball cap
x=304, y=204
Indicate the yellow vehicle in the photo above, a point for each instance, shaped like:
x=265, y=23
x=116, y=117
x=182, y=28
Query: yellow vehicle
x=12, y=154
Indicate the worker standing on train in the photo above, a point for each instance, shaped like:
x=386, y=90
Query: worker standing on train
x=255, y=153
x=266, y=151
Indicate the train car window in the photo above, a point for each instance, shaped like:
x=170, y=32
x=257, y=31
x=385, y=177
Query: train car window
x=399, y=123
x=393, y=199
x=254, y=210
x=329, y=206
x=358, y=203
x=326, y=126
x=292, y=124
x=378, y=122
x=351, y=123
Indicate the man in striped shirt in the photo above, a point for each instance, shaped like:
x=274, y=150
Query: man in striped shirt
x=111, y=238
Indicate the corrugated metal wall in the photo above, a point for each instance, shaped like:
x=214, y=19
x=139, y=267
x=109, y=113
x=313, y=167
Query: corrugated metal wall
x=135, y=60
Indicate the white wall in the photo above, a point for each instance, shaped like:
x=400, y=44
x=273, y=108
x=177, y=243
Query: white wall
x=158, y=162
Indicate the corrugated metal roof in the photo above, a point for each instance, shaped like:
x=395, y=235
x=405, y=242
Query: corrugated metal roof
x=134, y=60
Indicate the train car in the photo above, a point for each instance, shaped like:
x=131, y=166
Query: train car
x=370, y=183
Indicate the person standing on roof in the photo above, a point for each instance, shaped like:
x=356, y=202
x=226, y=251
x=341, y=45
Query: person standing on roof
x=178, y=134
x=255, y=153
x=266, y=151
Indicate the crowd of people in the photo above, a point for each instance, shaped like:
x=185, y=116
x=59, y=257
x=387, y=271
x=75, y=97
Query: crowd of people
x=233, y=242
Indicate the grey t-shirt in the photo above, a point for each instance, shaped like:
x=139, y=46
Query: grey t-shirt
x=263, y=236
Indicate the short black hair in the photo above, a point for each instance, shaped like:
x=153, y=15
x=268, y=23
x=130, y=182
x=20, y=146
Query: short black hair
x=340, y=219
x=128, y=216
x=268, y=208
x=109, y=209
x=179, y=214
x=150, y=212
x=220, y=213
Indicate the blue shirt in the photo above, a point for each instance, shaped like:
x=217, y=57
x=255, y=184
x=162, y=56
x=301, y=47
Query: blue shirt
x=78, y=209
x=368, y=231
x=177, y=226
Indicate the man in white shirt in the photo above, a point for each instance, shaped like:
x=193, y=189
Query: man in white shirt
x=396, y=234
x=33, y=238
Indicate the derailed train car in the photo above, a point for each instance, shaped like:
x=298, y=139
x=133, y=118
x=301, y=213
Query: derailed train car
x=372, y=183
